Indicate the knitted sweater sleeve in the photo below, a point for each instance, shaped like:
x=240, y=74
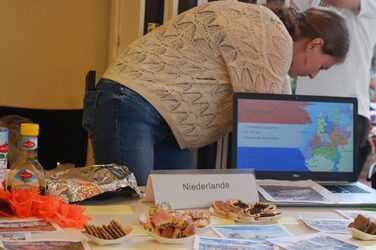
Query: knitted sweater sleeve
x=258, y=53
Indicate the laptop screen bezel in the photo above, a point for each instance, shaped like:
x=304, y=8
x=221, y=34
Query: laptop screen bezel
x=293, y=175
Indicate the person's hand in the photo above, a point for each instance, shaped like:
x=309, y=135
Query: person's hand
x=345, y=4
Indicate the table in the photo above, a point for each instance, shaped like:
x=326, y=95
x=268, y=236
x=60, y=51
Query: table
x=140, y=240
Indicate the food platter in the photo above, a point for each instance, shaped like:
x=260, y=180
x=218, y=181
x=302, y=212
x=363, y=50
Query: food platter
x=357, y=234
x=143, y=219
x=167, y=225
x=250, y=219
x=267, y=213
x=165, y=240
x=211, y=210
x=104, y=242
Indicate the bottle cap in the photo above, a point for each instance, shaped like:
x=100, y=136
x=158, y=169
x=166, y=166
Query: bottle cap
x=4, y=129
x=31, y=129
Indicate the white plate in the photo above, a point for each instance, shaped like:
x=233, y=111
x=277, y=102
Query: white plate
x=251, y=219
x=143, y=218
x=269, y=219
x=165, y=240
x=211, y=210
x=104, y=242
x=357, y=234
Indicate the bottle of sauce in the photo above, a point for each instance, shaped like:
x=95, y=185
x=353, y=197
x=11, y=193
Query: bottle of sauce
x=4, y=132
x=26, y=172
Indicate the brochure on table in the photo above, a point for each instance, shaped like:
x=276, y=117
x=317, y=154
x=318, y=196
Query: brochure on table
x=295, y=191
x=200, y=187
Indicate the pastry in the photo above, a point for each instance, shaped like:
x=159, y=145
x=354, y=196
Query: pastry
x=238, y=210
x=364, y=224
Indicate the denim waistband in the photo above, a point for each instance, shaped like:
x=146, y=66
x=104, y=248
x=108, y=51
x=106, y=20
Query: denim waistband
x=111, y=86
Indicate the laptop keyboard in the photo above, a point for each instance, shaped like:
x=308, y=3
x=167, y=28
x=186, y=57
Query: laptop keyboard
x=344, y=188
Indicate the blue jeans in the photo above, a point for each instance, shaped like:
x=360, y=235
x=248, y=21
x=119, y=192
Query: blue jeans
x=127, y=130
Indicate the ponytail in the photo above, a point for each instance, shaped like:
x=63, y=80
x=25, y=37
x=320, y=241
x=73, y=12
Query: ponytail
x=316, y=23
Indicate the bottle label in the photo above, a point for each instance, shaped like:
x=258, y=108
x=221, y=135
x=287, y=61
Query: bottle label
x=3, y=150
x=25, y=178
x=3, y=154
x=29, y=143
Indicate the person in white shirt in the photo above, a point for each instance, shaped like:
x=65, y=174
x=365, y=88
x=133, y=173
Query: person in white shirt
x=352, y=78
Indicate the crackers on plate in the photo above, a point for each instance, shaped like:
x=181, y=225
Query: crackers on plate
x=107, y=234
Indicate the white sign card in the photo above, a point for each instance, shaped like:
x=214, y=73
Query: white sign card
x=200, y=187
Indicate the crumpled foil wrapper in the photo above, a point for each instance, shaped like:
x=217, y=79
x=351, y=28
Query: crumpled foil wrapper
x=78, y=184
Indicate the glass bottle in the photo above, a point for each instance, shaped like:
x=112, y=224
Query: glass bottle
x=26, y=172
x=4, y=132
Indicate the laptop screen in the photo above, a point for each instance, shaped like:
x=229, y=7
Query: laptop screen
x=294, y=137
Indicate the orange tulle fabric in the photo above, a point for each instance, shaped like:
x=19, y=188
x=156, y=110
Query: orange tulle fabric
x=25, y=203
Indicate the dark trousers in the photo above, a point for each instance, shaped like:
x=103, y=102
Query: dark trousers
x=363, y=142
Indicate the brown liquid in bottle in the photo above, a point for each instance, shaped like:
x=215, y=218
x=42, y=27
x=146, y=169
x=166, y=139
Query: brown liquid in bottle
x=26, y=172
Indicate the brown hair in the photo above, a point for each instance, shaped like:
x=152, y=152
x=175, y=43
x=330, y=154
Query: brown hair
x=316, y=23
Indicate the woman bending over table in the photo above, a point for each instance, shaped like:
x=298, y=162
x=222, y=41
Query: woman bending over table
x=171, y=90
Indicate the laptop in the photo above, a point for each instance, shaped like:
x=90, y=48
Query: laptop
x=296, y=137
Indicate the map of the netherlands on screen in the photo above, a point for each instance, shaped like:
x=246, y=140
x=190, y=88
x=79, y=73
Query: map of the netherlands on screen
x=278, y=135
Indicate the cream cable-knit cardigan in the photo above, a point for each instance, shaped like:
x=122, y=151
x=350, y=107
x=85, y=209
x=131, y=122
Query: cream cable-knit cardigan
x=189, y=67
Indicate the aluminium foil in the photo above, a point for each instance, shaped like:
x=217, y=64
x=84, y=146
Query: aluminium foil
x=78, y=184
